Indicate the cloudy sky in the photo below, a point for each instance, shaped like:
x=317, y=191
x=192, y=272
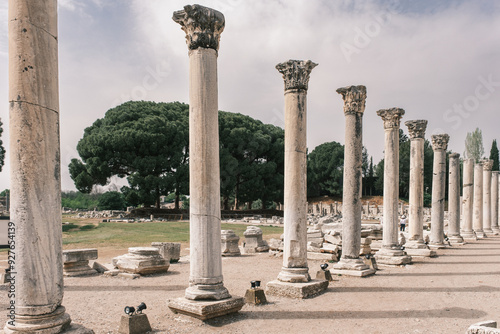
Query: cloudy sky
x=438, y=60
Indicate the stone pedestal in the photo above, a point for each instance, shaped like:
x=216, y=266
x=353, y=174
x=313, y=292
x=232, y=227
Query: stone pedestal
x=296, y=290
x=484, y=327
x=170, y=251
x=255, y=296
x=477, y=218
x=467, y=200
x=142, y=261
x=415, y=246
x=487, y=213
x=494, y=202
x=76, y=262
x=439, y=145
x=354, y=106
x=253, y=241
x=134, y=324
x=454, y=200
x=391, y=253
x=229, y=241
x=203, y=27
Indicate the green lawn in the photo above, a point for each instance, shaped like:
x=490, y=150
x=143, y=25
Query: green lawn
x=140, y=234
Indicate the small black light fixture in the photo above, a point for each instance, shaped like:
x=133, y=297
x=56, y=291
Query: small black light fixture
x=141, y=307
x=323, y=266
x=129, y=310
x=368, y=256
x=257, y=284
x=252, y=284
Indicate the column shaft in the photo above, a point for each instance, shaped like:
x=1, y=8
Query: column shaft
x=391, y=171
x=494, y=202
x=438, y=192
x=477, y=220
x=454, y=199
x=467, y=198
x=487, y=165
x=416, y=219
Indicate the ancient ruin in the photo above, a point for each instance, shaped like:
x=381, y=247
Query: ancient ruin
x=487, y=213
x=467, y=200
x=142, y=261
x=454, y=200
x=477, y=219
x=76, y=262
x=494, y=202
x=206, y=295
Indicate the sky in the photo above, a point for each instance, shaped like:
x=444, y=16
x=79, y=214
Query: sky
x=438, y=60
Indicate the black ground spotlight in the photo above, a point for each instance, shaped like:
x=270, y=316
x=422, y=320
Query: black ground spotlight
x=129, y=310
x=252, y=284
x=141, y=307
x=323, y=266
x=257, y=284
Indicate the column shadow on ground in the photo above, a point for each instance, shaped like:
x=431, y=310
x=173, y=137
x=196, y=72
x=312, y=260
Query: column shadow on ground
x=449, y=313
x=476, y=273
x=466, y=262
x=479, y=288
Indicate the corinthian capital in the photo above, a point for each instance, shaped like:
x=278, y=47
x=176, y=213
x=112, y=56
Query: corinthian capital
x=391, y=117
x=440, y=142
x=296, y=73
x=487, y=164
x=416, y=128
x=354, y=99
x=202, y=26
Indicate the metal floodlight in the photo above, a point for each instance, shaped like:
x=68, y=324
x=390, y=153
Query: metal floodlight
x=252, y=284
x=323, y=266
x=141, y=307
x=368, y=256
x=257, y=284
x=129, y=310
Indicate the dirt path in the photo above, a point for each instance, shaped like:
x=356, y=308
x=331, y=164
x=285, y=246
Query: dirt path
x=440, y=295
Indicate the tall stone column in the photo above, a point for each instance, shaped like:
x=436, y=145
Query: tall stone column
x=415, y=246
x=391, y=252
x=203, y=27
x=354, y=106
x=494, y=202
x=439, y=145
x=294, y=274
x=487, y=167
x=477, y=219
x=467, y=200
x=454, y=200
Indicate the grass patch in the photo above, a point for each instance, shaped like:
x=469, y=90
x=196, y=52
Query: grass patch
x=67, y=227
x=141, y=234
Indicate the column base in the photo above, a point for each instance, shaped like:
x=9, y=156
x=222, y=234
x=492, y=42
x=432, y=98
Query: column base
x=420, y=252
x=480, y=234
x=456, y=240
x=80, y=268
x=468, y=235
x=496, y=230
x=392, y=257
x=204, y=309
x=438, y=246
x=414, y=244
x=296, y=290
x=52, y=323
x=207, y=292
x=352, y=267
x=489, y=232
x=294, y=275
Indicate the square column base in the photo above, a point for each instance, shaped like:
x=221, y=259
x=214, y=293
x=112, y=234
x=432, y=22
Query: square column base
x=392, y=257
x=480, y=234
x=206, y=309
x=439, y=246
x=420, y=252
x=357, y=273
x=296, y=290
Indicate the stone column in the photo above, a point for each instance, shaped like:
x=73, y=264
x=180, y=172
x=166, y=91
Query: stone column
x=295, y=270
x=391, y=252
x=439, y=145
x=415, y=246
x=477, y=219
x=35, y=208
x=203, y=27
x=454, y=200
x=467, y=199
x=354, y=107
x=494, y=202
x=487, y=167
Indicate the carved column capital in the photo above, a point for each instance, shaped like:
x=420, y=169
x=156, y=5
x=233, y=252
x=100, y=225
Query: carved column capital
x=440, y=142
x=487, y=164
x=454, y=155
x=416, y=128
x=202, y=26
x=354, y=99
x=296, y=73
x=391, y=117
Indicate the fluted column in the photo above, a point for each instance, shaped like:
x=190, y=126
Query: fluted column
x=494, y=202
x=416, y=130
x=467, y=199
x=354, y=106
x=35, y=209
x=390, y=248
x=477, y=219
x=439, y=145
x=203, y=27
x=296, y=76
x=487, y=167
x=454, y=200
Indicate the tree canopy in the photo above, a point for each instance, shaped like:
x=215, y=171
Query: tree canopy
x=494, y=155
x=146, y=142
x=2, y=149
x=474, y=145
x=325, y=166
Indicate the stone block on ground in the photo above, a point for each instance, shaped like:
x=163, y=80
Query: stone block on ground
x=229, y=243
x=170, y=251
x=296, y=290
x=276, y=244
x=142, y=261
x=484, y=327
x=253, y=240
x=76, y=262
x=255, y=297
x=134, y=324
x=321, y=256
x=204, y=310
x=333, y=239
x=330, y=248
x=99, y=267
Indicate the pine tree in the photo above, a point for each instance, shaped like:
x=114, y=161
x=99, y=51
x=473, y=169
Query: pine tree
x=494, y=155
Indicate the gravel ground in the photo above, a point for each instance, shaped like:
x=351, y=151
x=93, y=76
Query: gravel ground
x=440, y=295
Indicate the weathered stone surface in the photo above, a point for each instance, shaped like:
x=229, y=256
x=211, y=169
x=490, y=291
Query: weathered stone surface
x=141, y=260
x=494, y=202
x=170, y=251
x=392, y=257
x=229, y=241
x=333, y=239
x=76, y=262
x=329, y=248
x=439, y=145
x=487, y=167
x=276, y=244
x=204, y=310
x=324, y=275
x=296, y=74
x=77, y=255
x=467, y=199
x=134, y=324
x=420, y=252
x=352, y=267
x=99, y=267
x=477, y=218
x=296, y=290
x=484, y=327
x=255, y=297
x=253, y=240
x=454, y=200
x=322, y=256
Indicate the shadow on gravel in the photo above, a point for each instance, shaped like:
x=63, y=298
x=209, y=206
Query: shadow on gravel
x=464, y=262
x=480, y=288
x=124, y=288
x=476, y=273
x=451, y=313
